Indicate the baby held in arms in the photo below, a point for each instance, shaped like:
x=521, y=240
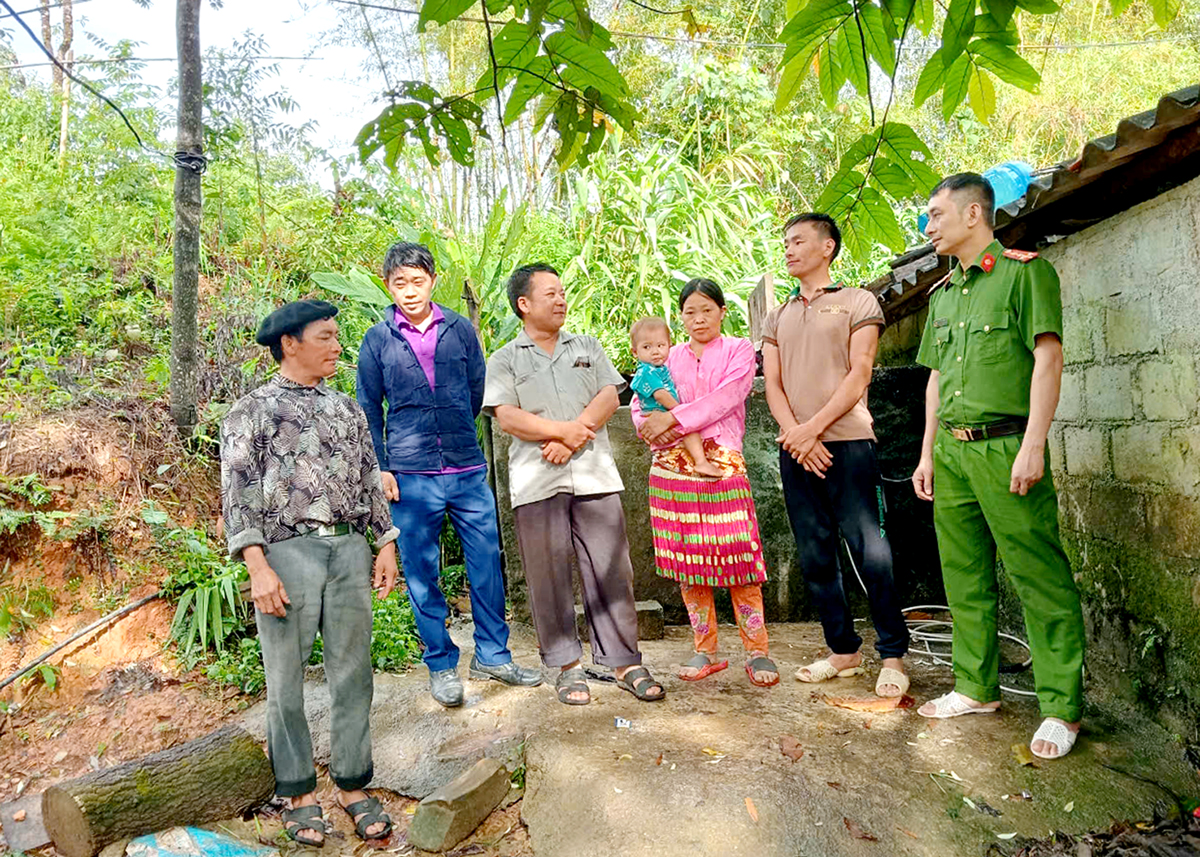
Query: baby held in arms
x=652, y=384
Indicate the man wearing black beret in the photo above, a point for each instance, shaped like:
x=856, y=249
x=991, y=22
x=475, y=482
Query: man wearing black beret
x=300, y=491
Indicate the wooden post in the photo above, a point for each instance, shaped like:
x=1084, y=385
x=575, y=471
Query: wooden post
x=762, y=301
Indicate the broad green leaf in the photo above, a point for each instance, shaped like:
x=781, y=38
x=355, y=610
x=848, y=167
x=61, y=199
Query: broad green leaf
x=201, y=616
x=1119, y=6
x=533, y=81
x=515, y=47
x=1005, y=63
x=879, y=44
x=957, y=29
x=987, y=27
x=850, y=55
x=882, y=219
x=495, y=7
x=813, y=24
x=955, y=88
x=1001, y=10
x=457, y=136
x=860, y=150
x=930, y=80
x=582, y=65
x=981, y=94
x=441, y=11
x=583, y=21
x=923, y=16
x=901, y=139
x=892, y=178
x=789, y=82
x=1039, y=7
x=1165, y=11
x=181, y=614
x=831, y=76
x=358, y=284
x=792, y=7
x=841, y=192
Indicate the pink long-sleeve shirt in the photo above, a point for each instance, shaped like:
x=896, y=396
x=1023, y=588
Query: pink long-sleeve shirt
x=712, y=390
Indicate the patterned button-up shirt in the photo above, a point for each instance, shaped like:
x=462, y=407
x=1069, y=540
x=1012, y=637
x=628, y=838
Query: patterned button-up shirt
x=296, y=457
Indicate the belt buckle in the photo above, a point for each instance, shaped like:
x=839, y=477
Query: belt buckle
x=962, y=434
x=326, y=530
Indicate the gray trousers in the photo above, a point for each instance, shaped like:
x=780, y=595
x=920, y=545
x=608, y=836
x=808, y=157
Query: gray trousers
x=328, y=581
x=593, y=527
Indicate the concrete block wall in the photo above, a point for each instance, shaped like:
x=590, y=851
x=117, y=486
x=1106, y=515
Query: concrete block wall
x=1125, y=447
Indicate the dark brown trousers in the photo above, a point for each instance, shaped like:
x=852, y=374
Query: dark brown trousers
x=594, y=528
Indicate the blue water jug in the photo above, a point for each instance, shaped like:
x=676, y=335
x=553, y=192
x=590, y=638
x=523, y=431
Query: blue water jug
x=1009, y=182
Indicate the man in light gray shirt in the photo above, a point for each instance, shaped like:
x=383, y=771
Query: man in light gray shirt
x=554, y=391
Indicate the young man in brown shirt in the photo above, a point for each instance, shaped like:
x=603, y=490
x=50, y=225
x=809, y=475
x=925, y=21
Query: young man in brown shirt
x=818, y=351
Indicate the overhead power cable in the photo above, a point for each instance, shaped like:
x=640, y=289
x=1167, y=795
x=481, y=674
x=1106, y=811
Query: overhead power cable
x=187, y=160
x=113, y=60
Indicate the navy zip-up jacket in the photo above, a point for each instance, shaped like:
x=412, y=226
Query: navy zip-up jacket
x=426, y=430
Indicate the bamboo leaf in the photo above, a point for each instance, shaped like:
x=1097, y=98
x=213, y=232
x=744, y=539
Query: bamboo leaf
x=957, y=29
x=201, y=618
x=181, y=613
x=218, y=625
x=1005, y=63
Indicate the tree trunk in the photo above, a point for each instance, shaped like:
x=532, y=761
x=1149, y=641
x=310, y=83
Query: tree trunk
x=64, y=49
x=215, y=777
x=66, y=113
x=184, y=296
x=48, y=41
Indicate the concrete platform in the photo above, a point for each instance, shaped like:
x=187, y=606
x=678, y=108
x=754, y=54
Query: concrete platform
x=703, y=773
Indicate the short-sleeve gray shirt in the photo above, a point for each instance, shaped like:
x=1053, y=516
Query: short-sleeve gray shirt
x=554, y=386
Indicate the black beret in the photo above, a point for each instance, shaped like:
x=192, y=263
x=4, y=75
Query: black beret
x=290, y=317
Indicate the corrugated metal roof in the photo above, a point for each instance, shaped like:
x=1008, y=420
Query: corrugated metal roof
x=1149, y=154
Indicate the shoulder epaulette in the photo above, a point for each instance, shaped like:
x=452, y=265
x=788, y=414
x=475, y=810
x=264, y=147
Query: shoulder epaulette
x=1020, y=255
x=940, y=283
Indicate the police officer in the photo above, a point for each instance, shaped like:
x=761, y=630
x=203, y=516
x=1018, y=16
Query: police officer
x=993, y=339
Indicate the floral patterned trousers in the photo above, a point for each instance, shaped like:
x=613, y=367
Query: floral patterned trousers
x=747, y=607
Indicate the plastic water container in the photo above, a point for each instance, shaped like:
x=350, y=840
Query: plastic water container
x=1009, y=182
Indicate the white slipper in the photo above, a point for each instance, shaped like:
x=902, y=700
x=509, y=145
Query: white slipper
x=887, y=675
x=954, y=705
x=1056, y=733
x=822, y=670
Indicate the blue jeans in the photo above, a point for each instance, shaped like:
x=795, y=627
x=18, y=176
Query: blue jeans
x=425, y=500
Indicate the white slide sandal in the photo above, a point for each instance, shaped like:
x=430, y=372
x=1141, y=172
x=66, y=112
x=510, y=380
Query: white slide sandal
x=1054, y=732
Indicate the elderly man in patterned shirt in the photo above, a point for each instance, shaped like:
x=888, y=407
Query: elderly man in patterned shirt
x=300, y=489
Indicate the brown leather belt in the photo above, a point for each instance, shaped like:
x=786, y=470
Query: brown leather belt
x=1003, y=428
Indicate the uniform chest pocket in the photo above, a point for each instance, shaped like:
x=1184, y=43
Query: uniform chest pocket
x=990, y=339
x=941, y=336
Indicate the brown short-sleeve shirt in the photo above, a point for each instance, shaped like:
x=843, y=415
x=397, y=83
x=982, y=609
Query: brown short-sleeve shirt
x=814, y=353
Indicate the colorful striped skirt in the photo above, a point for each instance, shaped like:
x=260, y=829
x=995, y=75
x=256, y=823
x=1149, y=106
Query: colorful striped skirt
x=705, y=530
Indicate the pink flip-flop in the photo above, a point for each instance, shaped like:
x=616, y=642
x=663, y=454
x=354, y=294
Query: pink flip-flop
x=706, y=666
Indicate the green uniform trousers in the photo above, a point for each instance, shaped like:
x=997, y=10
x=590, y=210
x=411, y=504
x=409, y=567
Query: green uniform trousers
x=973, y=513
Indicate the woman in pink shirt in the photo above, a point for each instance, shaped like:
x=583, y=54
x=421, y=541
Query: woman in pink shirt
x=706, y=529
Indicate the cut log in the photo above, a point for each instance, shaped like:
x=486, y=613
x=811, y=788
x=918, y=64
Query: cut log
x=215, y=777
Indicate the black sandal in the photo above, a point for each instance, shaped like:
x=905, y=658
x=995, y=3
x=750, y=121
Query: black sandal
x=638, y=681
x=572, y=681
x=302, y=818
x=366, y=812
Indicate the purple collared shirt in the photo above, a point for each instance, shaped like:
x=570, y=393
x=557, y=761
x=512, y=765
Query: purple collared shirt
x=424, y=346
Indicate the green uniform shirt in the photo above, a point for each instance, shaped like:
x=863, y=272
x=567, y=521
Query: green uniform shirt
x=980, y=334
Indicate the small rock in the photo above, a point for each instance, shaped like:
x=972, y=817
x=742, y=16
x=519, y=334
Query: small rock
x=19, y=815
x=59, y=756
x=116, y=849
x=450, y=814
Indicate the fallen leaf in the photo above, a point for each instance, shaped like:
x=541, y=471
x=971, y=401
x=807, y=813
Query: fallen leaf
x=922, y=734
x=857, y=832
x=866, y=703
x=672, y=766
x=790, y=747
x=1023, y=755
x=969, y=802
x=624, y=756
x=837, y=786
x=750, y=809
x=918, y=615
x=21, y=786
x=1070, y=806
x=907, y=832
x=19, y=815
x=658, y=761
x=709, y=751
x=1006, y=836
x=866, y=724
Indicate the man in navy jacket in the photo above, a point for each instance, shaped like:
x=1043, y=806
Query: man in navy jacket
x=425, y=361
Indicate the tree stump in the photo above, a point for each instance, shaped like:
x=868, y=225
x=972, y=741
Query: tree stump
x=215, y=777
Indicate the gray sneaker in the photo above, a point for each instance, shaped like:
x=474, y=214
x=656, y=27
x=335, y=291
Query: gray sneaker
x=446, y=687
x=508, y=673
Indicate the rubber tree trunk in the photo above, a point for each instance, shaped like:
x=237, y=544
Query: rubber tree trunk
x=188, y=204
x=212, y=778
x=48, y=40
